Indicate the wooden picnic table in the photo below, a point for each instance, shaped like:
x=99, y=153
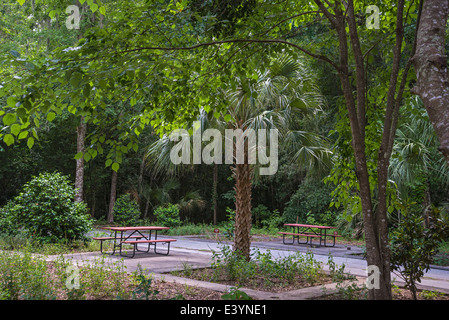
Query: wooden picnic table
x=309, y=231
x=134, y=236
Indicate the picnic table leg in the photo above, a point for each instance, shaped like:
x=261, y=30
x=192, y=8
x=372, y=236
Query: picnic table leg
x=168, y=249
x=114, y=243
x=283, y=239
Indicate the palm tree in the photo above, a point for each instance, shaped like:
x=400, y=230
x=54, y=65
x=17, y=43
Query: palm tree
x=277, y=100
x=415, y=156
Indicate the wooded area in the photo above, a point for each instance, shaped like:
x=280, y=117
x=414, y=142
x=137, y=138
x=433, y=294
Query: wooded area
x=357, y=91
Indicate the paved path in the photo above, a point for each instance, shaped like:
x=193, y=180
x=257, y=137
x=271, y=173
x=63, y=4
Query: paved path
x=197, y=253
x=350, y=256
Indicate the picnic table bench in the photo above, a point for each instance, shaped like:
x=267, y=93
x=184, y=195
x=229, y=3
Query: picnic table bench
x=310, y=232
x=136, y=237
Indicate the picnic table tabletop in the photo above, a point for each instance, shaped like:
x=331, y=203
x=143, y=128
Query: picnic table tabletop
x=135, y=228
x=308, y=226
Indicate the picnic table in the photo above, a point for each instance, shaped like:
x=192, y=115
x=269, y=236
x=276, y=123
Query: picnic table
x=310, y=232
x=134, y=236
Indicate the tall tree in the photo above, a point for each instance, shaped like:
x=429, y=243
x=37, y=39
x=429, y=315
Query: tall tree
x=430, y=62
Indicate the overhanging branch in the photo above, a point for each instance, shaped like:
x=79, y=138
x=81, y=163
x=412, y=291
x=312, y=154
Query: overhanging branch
x=213, y=43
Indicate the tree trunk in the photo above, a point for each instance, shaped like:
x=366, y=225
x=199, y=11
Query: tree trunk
x=112, y=197
x=79, y=174
x=243, y=184
x=430, y=64
x=375, y=223
x=214, y=193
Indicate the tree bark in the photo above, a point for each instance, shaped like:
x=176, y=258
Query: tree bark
x=243, y=185
x=79, y=173
x=375, y=223
x=243, y=194
x=430, y=64
x=112, y=197
x=214, y=193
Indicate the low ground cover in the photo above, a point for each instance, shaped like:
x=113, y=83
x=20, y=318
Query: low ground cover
x=33, y=278
x=263, y=272
x=24, y=276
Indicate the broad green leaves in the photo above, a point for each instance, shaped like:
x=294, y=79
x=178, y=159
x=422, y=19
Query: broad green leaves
x=9, y=119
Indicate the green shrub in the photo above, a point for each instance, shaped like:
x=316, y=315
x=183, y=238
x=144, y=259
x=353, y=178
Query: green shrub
x=413, y=246
x=126, y=211
x=46, y=210
x=168, y=215
x=310, y=203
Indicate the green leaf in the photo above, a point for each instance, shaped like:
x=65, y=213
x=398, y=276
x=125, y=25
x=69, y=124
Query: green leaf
x=115, y=166
x=78, y=156
x=15, y=129
x=87, y=157
x=227, y=118
x=51, y=116
x=72, y=109
x=23, y=135
x=102, y=10
x=9, y=119
x=14, y=53
x=94, y=7
x=30, y=142
x=21, y=2
x=11, y=102
x=8, y=139
x=108, y=162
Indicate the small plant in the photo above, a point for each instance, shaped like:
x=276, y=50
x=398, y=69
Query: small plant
x=230, y=223
x=234, y=293
x=346, y=287
x=430, y=295
x=143, y=289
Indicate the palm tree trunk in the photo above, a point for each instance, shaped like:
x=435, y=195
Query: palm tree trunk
x=243, y=184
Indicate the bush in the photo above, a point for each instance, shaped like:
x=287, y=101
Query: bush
x=168, y=215
x=46, y=210
x=310, y=203
x=266, y=219
x=126, y=211
x=413, y=247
